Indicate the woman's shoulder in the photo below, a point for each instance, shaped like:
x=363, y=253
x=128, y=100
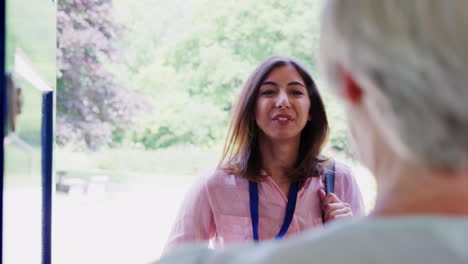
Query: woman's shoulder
x=340, y=168
x=216, y=178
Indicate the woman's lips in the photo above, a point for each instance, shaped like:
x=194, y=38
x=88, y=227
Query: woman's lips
x=282, y=119
x=282, y=122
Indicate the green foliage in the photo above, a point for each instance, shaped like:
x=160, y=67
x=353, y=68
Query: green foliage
x=92, y=106
x=184, y=120
x=192, y=58
x=189, y=58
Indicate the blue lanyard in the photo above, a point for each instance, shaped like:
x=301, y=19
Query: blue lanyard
x=290, y=207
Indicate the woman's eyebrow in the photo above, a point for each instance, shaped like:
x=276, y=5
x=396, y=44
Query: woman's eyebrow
x=275, y=84
x=296, y=83
x=269, y=83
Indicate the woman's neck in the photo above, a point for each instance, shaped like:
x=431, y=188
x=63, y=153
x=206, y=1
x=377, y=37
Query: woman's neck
x=278, y=157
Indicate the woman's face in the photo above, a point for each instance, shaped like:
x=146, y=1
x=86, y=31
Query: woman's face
x=282, y=107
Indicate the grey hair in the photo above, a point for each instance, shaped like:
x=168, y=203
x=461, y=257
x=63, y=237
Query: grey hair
x=414, y=53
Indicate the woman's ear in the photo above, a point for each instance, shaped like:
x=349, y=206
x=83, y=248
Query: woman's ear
x=351, y=89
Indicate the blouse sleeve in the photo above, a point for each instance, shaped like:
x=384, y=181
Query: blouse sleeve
x=347, y=189
x=194, y=222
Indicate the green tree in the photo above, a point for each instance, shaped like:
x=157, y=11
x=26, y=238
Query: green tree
x=93, y=108
x=191, y=58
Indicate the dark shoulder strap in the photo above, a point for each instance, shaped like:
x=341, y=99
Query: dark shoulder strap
x=330, y=179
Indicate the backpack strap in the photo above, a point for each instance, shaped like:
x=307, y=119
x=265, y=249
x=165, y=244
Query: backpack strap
x=329, y=183
x=330, y=180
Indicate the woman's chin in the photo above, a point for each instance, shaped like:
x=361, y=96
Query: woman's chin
x=278, y=137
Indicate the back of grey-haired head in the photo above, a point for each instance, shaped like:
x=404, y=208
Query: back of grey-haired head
x=415, y=53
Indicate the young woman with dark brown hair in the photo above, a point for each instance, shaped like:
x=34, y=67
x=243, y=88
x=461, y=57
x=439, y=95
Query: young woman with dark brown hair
x=270, y=181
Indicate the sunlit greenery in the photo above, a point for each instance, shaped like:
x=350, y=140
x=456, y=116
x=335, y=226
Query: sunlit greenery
x=190, y=58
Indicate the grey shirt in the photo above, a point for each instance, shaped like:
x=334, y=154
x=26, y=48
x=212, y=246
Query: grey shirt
x=428, y=240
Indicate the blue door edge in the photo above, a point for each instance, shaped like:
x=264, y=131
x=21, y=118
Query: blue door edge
x=47, y=140
x=3, y=109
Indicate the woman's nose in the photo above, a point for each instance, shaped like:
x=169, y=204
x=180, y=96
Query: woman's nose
x=282, y=101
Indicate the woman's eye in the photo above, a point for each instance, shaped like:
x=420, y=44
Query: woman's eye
x=268, y=92
x=297, y=93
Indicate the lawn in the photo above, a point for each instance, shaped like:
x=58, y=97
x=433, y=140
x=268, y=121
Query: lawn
x=137, y=166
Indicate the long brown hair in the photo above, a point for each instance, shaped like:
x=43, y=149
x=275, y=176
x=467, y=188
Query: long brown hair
x=241, y=155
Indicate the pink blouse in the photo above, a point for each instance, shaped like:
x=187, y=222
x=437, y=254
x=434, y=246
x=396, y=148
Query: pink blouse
x=218, y=208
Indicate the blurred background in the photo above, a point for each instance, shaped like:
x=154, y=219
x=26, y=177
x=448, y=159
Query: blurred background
x=144, y=90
